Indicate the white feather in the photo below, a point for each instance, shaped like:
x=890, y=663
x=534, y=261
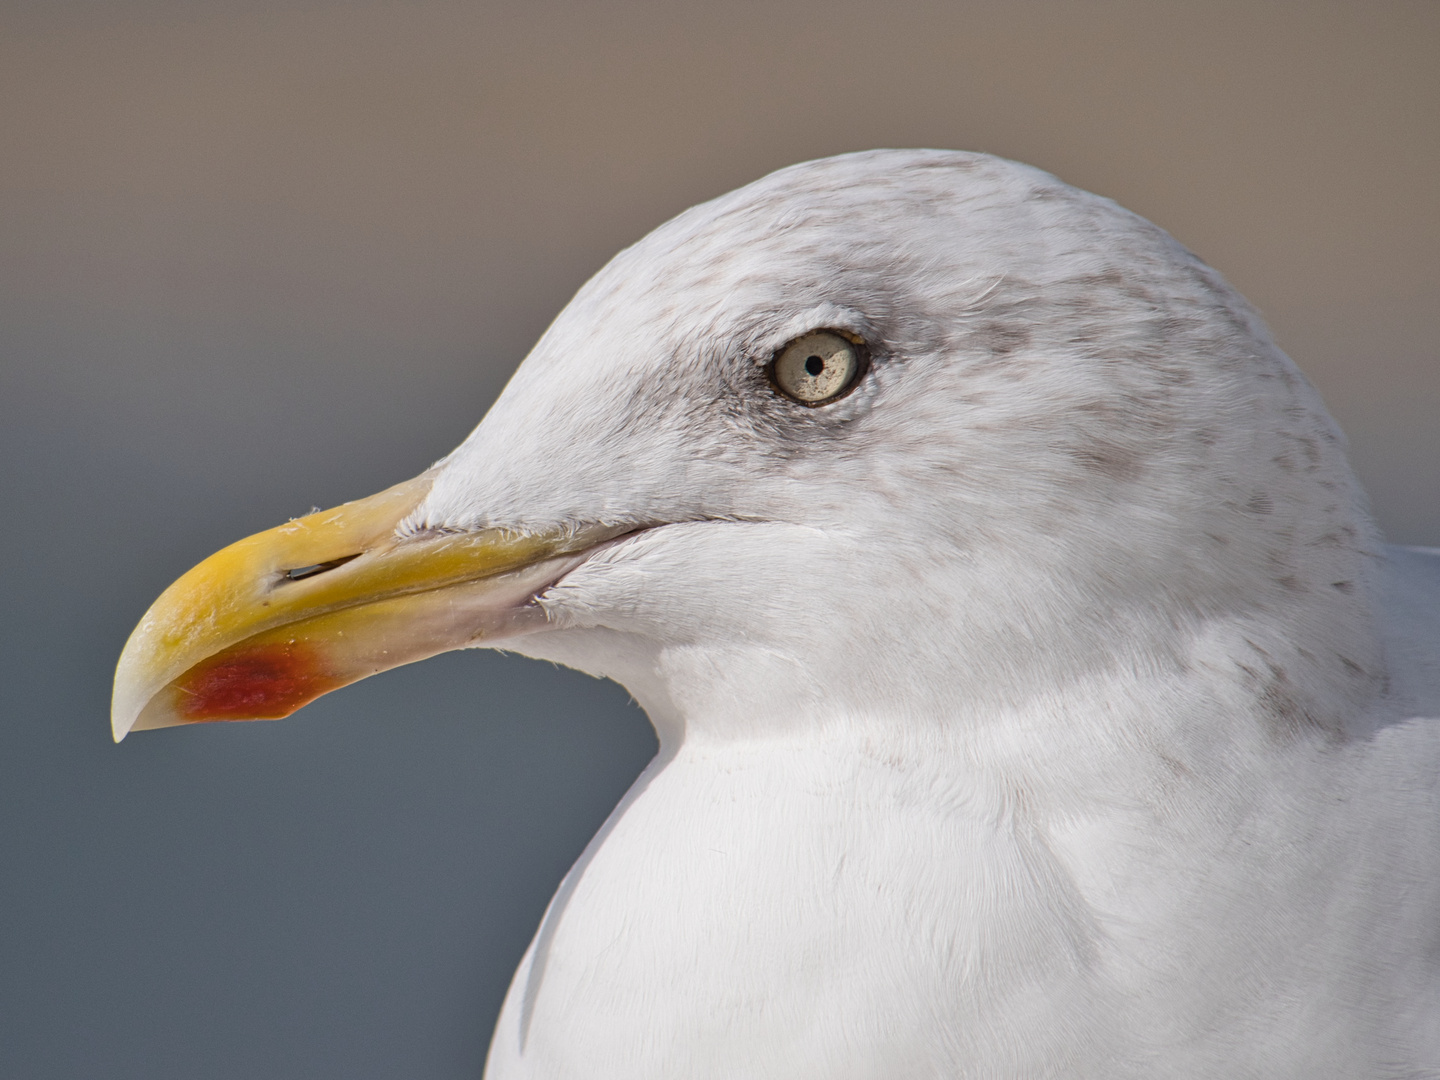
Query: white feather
x=1046, y=707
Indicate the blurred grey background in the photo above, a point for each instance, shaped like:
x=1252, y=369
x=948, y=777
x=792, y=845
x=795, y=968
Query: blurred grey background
x=259, y=256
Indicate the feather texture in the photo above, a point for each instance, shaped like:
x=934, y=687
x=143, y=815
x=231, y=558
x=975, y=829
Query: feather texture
x=1045, y=707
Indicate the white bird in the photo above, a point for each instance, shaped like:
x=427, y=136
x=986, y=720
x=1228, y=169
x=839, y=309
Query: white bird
x=1035, y=698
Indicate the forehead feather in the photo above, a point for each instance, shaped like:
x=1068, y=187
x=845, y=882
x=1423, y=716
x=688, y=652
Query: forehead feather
x=866, y=231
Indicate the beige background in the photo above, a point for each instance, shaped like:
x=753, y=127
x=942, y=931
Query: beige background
x=259, y=256
x=442, y=176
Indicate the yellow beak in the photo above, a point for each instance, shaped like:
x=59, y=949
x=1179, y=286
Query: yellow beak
x=270, y=623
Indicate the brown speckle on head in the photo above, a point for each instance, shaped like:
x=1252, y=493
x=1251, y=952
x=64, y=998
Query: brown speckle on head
x=1001, y=339
x=1108, y=459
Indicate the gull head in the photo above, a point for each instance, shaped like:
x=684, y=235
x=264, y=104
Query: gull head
x=904, y=439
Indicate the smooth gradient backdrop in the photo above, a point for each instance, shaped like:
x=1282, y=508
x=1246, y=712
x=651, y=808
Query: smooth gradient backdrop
x=260, y=256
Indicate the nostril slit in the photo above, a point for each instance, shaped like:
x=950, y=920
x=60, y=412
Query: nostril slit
x=300, y=573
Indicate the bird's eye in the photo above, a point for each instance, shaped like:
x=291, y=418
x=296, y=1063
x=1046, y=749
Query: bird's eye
x=818, y=367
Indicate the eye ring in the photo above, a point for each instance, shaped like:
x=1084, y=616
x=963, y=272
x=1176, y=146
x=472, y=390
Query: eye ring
x=819, y=367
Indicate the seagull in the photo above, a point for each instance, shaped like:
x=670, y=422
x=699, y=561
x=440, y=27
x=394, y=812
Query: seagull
x=1035, y=697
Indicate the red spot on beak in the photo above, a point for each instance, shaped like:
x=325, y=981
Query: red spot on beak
x=255, y=682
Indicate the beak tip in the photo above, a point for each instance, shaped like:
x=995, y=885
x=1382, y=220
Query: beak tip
x=120, y=724
x=124, y=708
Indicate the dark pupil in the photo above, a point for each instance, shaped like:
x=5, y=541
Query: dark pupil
x=814, y=365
